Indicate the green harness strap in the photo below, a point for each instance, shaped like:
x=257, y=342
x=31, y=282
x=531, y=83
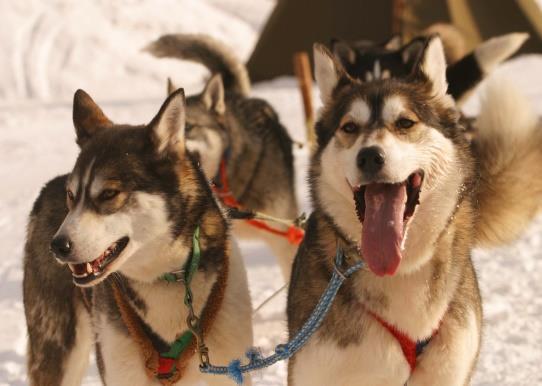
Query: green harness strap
x=183, y=341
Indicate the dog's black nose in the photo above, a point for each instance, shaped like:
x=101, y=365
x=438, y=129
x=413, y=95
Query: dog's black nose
x=61, y=246
x=370, y=160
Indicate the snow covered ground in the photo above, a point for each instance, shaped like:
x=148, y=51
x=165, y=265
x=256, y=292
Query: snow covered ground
x=49, y=49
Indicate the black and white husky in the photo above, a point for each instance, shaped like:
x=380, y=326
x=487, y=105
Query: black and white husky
x=367, y=60
x=395, y=184
x=124, y=217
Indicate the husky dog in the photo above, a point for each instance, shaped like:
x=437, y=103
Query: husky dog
x=225, y=125
x=394, y=183
x=366, y=60
x=123, y=217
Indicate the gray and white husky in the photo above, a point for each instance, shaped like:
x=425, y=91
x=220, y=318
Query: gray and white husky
x=227, y=126
x=122, y=218
x=394, y=183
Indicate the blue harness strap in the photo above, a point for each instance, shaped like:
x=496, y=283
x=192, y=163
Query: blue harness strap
x=256, y=361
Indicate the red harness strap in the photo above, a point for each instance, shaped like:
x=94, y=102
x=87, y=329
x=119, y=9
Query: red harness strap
x=293, y=234
x=411, y=348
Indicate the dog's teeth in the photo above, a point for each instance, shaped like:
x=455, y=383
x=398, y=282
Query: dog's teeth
x=76, y=270
x=89, y=268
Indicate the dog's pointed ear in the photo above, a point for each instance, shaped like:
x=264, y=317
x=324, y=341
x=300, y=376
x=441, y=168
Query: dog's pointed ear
x=393, y=43
x=432, y=65
x=327, y=71
x=170, y=86
x=167, y=127
x=411, y=52
x=343, y=51
x=213, y=95
x=88, y=118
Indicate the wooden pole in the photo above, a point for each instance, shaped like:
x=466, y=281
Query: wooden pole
x=302, y=70
x=397, y=14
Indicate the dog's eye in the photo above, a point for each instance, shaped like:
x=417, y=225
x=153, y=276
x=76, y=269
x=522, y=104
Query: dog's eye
x=404, y=123
x=349, y=127
x=108, y=194
x=69, y=195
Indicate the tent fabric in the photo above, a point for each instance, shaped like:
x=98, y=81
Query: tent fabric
x=499, y=17
x=295, y=25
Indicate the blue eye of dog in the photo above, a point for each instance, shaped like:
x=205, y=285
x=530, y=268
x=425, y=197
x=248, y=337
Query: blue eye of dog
x=404, y=123
x=108, y=194
x=349, y=127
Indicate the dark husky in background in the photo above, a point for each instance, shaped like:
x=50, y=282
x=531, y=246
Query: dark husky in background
x=122, y=218
x=396, y=184
x=225, y=125
x=367, y=60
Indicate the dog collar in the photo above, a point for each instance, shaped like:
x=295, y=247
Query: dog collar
x=186, y=273
x=166, y=360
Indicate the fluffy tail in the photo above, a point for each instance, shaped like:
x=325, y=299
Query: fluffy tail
x=216, y=56
x=464, y=75
x=496, y=50
x=509, y=146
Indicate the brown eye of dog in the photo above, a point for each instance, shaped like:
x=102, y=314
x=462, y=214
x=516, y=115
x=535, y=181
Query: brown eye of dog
x=349, y=127
x=404, y=123
x=108, y=194
x=69, y=195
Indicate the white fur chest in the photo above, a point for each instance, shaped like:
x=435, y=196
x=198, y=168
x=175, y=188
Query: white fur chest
x=376, y=361
x=411, y=304
x=165, y=310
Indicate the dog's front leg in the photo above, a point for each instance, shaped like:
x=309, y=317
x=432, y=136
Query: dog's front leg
x=449, y=359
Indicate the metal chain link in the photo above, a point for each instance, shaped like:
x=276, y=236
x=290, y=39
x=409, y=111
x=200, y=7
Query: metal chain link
x=194, y=325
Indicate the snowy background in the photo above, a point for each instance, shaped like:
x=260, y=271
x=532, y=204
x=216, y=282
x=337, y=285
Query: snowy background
x=49, y=49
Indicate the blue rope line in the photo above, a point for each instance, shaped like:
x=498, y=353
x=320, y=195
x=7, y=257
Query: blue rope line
x=284, y=351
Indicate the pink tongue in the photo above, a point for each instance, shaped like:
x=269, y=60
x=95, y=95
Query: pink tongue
x=382, y=231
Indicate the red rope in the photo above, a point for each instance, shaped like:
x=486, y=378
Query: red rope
x=293, y=234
